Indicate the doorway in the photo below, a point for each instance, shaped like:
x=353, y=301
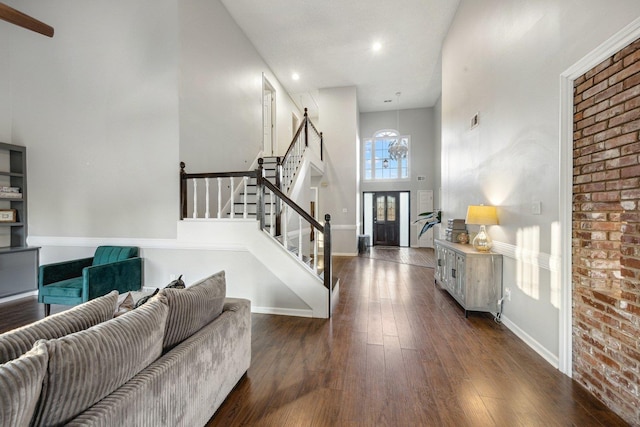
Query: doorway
x=268, y=117
x=386, y=217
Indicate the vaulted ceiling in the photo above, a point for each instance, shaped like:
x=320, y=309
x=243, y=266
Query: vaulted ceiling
x=330, y=43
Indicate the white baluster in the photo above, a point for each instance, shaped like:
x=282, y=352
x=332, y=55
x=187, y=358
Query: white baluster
x=272, y=213
x=300, y=237
x=195, y=198
x=219, y=198
x=233, y=208
x=244, y=214
x=206, y=212
x=284, y=226
x=315, y=251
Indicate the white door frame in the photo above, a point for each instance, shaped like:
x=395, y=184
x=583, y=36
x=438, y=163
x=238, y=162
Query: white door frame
x=624, y=37
x=267, y=87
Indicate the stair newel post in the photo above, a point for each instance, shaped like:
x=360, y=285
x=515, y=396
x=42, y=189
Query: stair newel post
x=260, y=193
x=327, y=257
x=321, y=147
x=183, y=191
x=306, y=128
x=279, y=172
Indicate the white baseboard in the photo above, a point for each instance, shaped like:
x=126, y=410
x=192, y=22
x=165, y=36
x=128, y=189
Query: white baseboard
x=531, y=342
x=18, y=296
x=282, y=311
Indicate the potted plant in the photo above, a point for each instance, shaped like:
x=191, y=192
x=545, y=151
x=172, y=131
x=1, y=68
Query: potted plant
x=430, y=219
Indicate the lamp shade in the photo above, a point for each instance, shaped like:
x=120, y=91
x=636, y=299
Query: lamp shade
x=481, y=215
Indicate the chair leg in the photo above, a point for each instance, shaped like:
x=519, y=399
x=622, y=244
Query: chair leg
x=47, y=310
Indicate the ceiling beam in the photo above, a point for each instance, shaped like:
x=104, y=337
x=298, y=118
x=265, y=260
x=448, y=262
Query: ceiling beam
x=16, y=17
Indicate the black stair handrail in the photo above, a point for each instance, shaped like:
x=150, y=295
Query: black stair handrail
x=261, y=185
x=304, y=127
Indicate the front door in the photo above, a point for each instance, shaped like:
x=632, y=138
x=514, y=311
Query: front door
x=386, y=215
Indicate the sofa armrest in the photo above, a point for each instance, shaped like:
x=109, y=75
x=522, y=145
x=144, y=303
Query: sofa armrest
x=123, y=276
x=52, y=273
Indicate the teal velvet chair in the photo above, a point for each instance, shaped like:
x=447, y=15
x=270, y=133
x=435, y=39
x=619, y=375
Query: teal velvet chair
x=74, y=282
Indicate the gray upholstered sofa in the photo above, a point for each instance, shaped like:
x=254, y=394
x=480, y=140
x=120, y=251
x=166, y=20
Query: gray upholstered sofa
x=170, y=362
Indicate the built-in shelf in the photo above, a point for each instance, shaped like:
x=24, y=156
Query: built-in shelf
x=18, y=262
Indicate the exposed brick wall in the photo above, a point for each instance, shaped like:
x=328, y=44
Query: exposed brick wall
x=606, y=232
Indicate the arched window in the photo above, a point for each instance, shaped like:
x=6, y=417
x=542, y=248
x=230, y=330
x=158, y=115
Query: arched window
x=386, y=156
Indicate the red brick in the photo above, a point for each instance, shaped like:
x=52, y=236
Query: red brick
x=630, y=194
x=589, y=121
x=598, y=127
x=632, y=103
x=610, y=153
x=587, y=103
x=606, y=73
x=610, y=93
x=625, y=73
x=596, y=89
x=631, y=148
x=626, y=95
x=631, y=126
x=621, y=140
x=586, y=84
x=592, y=167
x=606, y=64
x=593, y=187
x=630, y=172
x=607, y=134
x=613, y=185
x=627, y=117
x=608, y=113
x=607, y=196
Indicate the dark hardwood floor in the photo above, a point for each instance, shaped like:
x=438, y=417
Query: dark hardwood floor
x=397, y=352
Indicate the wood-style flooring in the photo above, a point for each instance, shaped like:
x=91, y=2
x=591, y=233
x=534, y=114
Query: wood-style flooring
x=398, y=351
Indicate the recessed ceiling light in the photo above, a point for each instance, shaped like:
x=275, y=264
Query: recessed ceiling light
x=376, y=46
x=295, y=76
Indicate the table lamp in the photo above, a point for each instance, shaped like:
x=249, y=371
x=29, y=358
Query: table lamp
x=482, y=215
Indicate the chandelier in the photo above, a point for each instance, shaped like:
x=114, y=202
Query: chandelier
x=398, y=148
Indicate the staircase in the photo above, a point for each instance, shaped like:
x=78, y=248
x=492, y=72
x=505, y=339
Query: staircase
x=258, y=200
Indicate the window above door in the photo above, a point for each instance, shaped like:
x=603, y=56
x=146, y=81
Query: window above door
x=379, y=164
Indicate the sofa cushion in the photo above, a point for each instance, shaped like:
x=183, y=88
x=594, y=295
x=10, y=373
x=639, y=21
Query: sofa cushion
x=21, y=383
x=86, y=366
x=64, y=288
x=193, y=307
x=15, y=343
x=109, y=254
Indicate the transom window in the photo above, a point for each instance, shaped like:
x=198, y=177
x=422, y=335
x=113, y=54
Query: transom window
x=380, y=163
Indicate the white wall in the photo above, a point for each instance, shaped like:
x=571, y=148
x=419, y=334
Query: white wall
x=221, y=92
x=503, y=59
x=419, y=124
x=339, y=188
x=97, y=108
x=110, y=105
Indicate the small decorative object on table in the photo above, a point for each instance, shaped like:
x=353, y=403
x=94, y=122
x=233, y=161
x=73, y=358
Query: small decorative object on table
x=463, y=238
x=7, y=215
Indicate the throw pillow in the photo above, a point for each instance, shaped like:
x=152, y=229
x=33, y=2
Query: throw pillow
x=86, y=366
x=146, y=298
x=192, y=308
x=21, y=382
x=15, y=343
x=176, y=284
x=125, y=304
